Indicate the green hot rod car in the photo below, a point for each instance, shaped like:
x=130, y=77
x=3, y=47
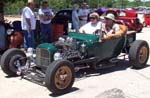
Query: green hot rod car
x=59, y=61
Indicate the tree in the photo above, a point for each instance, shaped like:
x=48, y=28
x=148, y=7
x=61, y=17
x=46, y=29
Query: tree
x=137, y=2
x=1, y=11
x=15, y=6
x=121, y=3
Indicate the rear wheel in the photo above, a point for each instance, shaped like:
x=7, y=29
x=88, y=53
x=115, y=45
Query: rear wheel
x=139, y=54
x=60, y=76
x=11, y=60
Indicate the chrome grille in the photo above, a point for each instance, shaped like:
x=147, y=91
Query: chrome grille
x=42, y=57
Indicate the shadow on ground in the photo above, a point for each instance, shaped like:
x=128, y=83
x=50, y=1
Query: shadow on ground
x=73, y=89
x=122, y=65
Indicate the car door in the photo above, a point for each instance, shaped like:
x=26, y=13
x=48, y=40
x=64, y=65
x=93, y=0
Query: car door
x=107, y=49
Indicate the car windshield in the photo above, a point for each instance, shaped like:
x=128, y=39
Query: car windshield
x=121, y=13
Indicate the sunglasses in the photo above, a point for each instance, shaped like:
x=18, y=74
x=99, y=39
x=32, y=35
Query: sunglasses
x=92, y=17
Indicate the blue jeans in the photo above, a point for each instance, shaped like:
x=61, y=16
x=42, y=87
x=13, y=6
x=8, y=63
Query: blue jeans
x=2, y=37
x=45, y=33
x=29, y=40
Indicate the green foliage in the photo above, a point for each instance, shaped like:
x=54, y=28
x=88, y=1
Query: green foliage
x=15, y=6
x=59, y=4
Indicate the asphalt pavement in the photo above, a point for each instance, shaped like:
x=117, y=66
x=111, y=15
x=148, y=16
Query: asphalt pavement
x=120, y=81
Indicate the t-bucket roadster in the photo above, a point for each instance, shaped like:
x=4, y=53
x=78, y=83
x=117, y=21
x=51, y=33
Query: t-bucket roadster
x=60, y=60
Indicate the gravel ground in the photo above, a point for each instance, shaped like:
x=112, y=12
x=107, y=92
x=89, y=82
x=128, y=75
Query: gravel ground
x=117, y=82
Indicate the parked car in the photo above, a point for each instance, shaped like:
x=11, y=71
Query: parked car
x=146, y=18
x=11, y=35
x=60, y=23
x=129, y=17
x=56, y=63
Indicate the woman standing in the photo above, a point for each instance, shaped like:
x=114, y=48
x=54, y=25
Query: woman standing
x=75, y=18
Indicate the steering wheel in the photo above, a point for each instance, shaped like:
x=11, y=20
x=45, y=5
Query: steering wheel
x=100, y=33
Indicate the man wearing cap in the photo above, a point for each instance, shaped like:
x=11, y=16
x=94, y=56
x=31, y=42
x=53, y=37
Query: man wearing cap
x=91, y=26
x=46, y=14
x=28, y=23
x=112, y=29
x=83, y=14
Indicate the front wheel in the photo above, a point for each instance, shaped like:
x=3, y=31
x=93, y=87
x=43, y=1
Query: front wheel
x=60, y=76
x=139, y=54
x=11, y=60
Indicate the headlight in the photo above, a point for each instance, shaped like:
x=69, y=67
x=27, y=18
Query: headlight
x=9, y=31
x=57, y=56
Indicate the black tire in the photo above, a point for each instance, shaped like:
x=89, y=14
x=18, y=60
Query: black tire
x=8, y=59
x=139, y=54
x=139, y=30
x=54, y=83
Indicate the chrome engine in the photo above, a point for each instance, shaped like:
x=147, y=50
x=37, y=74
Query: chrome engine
x=68, y=48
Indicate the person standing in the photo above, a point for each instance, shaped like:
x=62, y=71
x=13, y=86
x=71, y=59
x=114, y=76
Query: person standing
x=75, y=18
x=46, y=14
x=2, y=36
x=28, y=24
x=83, y=14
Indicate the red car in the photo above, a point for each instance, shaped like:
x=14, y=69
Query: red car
x=146, y=19
x=129, y=17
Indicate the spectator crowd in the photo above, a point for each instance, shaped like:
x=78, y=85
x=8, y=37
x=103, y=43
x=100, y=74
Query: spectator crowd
x=80, y=22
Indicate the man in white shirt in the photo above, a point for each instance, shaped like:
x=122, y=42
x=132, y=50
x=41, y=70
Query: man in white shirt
x=83, y=14
x=28, y=23
x=92, y=26
x=46, y=15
